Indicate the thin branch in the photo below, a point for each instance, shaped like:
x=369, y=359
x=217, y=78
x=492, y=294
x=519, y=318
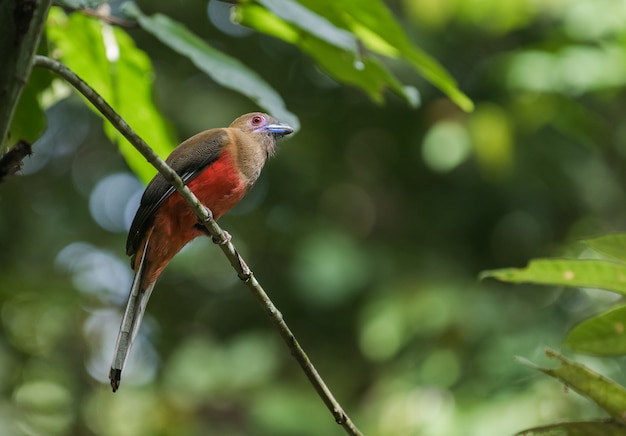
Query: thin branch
x=105, y=16
x=103, y=12
x=205, y=216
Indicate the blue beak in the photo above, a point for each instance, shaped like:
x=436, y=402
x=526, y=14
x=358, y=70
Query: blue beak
x=279, y=130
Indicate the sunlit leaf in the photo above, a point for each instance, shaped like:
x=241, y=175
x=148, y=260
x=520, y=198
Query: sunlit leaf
x=603, y=335
x=592, y=428
x=380, y=32
x=225, y=70
x=613, y=246
x=77, y=41
x=107, y=59
x=316, y=25
x=367, y=73
x=132, y=77
x=353, y=23
x=604, y=392
x=576, y=272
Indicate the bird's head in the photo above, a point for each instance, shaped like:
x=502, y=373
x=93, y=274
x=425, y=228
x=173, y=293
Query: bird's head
x=267, y=127
x=258, y=122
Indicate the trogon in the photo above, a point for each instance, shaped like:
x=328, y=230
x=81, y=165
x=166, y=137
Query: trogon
x=219, y=166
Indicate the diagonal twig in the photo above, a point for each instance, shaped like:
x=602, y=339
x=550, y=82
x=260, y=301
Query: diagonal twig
x=205, y=217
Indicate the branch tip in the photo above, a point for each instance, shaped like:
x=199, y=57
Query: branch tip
x=13, y=160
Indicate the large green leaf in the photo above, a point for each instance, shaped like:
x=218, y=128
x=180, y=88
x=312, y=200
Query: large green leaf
x=603, y=335
x=604, y=392
x=613, y=246
x=225, y=70
x=107, y=59
x=132, y=78
x=313, y=23
x=380, y=32
x=591, y=428
x=347, y=67
x=566, y=272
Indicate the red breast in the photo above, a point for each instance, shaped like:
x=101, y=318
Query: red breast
x=219, y=187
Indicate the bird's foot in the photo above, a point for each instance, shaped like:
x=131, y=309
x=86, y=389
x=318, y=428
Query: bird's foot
x=222, y=241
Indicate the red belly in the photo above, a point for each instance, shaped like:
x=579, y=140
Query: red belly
x=219, y=187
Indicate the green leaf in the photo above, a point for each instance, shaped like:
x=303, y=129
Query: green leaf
x=380, y=32
x=314, y=24
x=347, y=67
x=29, y=121
x=77, y=41
x=592, y=428
x=613, y=246
x=604, y=392
x=107, y=59
x=577, y=272
x=603, y=335
x=225, y=70
x=132, y=77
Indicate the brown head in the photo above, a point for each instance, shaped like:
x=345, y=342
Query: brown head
x=256, y=135
x=263, y=128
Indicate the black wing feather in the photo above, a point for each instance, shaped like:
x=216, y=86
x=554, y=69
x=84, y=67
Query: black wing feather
x=188, y=160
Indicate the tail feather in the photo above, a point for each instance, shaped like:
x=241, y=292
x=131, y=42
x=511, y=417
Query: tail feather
x=131, y=321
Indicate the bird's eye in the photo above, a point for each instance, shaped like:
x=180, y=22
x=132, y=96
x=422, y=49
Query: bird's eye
x=257, y=120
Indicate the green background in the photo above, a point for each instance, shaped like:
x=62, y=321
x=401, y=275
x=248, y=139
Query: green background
x=368, y=230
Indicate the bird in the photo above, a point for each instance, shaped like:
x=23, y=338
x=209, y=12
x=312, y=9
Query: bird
x=219, y=166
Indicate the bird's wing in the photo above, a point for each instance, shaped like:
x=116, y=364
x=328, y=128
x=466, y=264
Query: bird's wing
x=188, y=160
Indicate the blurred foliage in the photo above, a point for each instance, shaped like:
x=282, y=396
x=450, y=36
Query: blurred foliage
x=602, y=335
x=606, y=393
x=368, y=229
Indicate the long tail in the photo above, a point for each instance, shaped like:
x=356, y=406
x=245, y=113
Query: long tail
x=133, y=315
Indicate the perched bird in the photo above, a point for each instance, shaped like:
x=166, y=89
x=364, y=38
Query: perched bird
x=219, y=166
